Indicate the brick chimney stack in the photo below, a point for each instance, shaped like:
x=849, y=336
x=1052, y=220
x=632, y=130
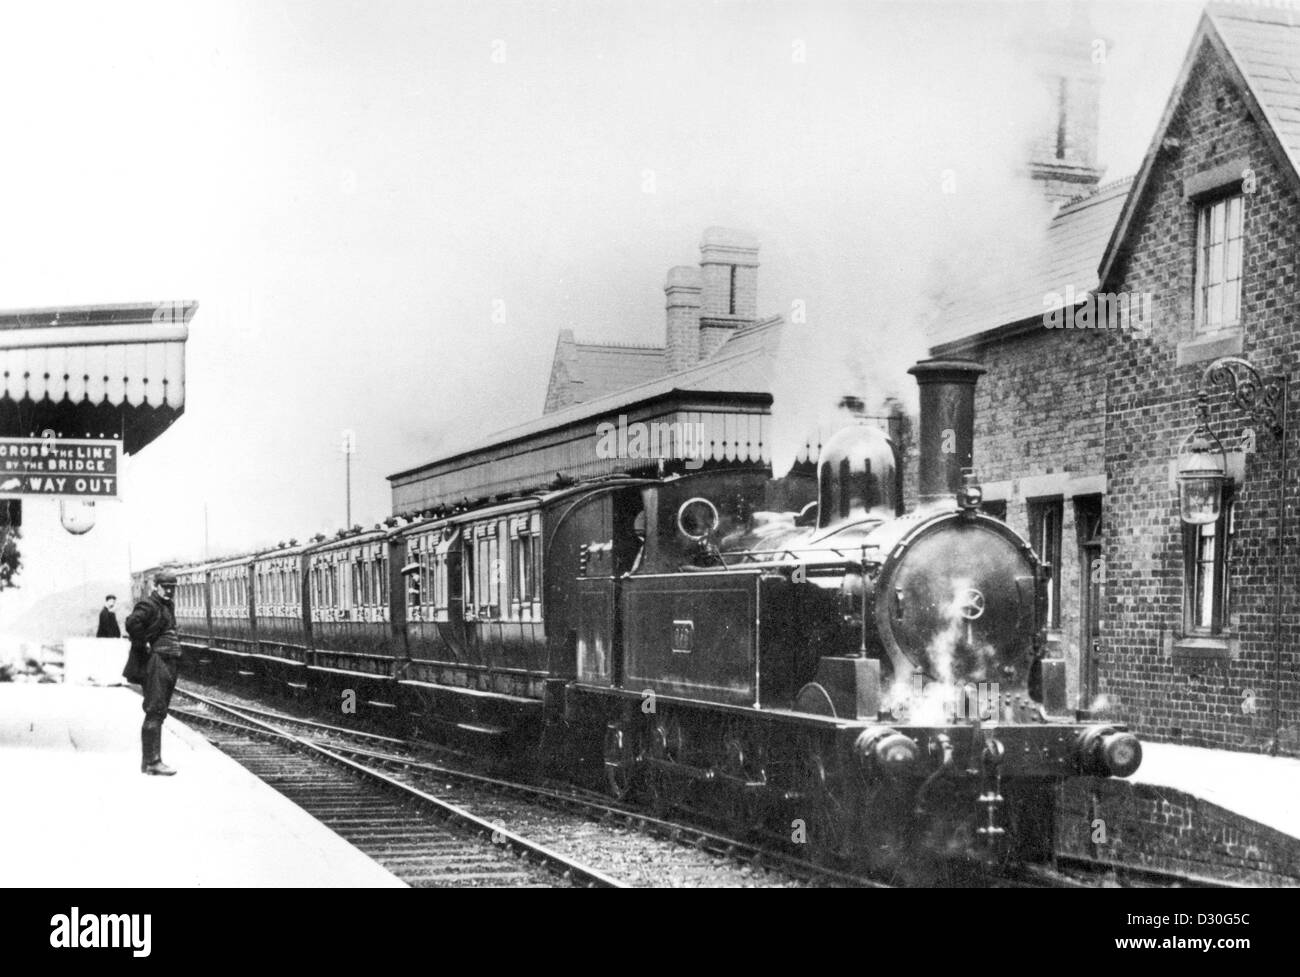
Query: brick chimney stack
x=1067, y=56
x=729, y=267
x=683, y=291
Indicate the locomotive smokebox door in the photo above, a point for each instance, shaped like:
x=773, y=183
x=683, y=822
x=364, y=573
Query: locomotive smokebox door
x=951, y=605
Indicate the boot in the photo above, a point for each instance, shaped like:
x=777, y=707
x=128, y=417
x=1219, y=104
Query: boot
x=151, y=747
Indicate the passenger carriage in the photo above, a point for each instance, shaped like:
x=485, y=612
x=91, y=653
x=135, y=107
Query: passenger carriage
x=348, y=586
x=233, y=640
x=283, y=642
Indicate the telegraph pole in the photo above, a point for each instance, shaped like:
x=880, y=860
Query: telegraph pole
x=349, y=448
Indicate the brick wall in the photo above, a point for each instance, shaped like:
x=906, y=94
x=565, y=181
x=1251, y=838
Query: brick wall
x=717, y=290
x=1151, y=408
x=1152, y=827
x=1040, y=410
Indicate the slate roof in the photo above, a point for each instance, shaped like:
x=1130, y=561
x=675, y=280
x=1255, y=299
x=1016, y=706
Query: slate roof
x=595, y=370
x=1260, y=47
x=1068, y=256
x=1265, y=43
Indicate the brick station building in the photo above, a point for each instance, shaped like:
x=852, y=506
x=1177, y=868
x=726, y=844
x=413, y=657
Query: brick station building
x=1173, y=629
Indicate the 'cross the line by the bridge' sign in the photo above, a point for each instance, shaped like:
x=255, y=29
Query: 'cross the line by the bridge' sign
x=61, y=467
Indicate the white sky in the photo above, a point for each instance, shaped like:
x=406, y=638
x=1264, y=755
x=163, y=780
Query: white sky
x=347, y=188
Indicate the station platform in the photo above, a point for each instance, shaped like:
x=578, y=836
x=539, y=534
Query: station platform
x=1260, y=788
x=75, y=810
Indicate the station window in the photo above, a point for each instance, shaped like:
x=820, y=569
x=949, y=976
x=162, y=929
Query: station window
x=1207, y=560
x=1045, y=536
x=1218, y=263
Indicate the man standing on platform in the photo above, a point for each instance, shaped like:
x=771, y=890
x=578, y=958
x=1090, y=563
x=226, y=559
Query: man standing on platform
x=152, y=629
x=108, y=620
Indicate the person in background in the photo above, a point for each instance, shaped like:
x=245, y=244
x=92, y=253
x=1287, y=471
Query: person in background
x=152, y=629
x=108, y=619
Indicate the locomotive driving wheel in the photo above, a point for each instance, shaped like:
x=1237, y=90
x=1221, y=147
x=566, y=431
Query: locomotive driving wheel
x=622, y=760
x=824, y=790
x=666, y=746
x=744, y=759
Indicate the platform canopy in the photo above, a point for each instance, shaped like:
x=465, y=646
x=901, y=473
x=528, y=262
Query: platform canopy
x=111, y=371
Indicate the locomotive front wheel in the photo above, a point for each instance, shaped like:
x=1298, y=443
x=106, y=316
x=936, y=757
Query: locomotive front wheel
x=823, y=802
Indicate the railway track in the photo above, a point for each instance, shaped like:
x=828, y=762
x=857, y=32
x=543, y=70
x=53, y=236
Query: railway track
x=424, y=840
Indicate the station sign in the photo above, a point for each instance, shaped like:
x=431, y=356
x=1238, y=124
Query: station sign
x=61, y=468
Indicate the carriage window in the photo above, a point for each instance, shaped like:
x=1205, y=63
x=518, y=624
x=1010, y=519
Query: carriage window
x=468, y=573
x=414, y=582
x=490, y=572
x=440, y=579
x=524, y=566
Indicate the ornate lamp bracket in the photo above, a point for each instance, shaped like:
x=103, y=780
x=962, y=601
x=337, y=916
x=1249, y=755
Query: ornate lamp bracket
x=1263, y=399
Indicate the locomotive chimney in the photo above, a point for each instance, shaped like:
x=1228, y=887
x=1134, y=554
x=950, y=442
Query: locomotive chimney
x=947, y=424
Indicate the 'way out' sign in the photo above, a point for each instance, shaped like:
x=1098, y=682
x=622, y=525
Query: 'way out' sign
x=59, y=468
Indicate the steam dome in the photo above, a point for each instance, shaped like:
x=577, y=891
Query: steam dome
x=856, y=476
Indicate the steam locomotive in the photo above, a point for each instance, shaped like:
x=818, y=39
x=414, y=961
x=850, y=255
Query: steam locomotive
x=796, y=655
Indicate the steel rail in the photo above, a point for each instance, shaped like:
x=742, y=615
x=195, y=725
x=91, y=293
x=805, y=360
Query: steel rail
x=499, y=834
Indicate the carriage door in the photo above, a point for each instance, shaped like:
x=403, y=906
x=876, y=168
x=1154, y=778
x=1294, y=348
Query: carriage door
x=1091, y=576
